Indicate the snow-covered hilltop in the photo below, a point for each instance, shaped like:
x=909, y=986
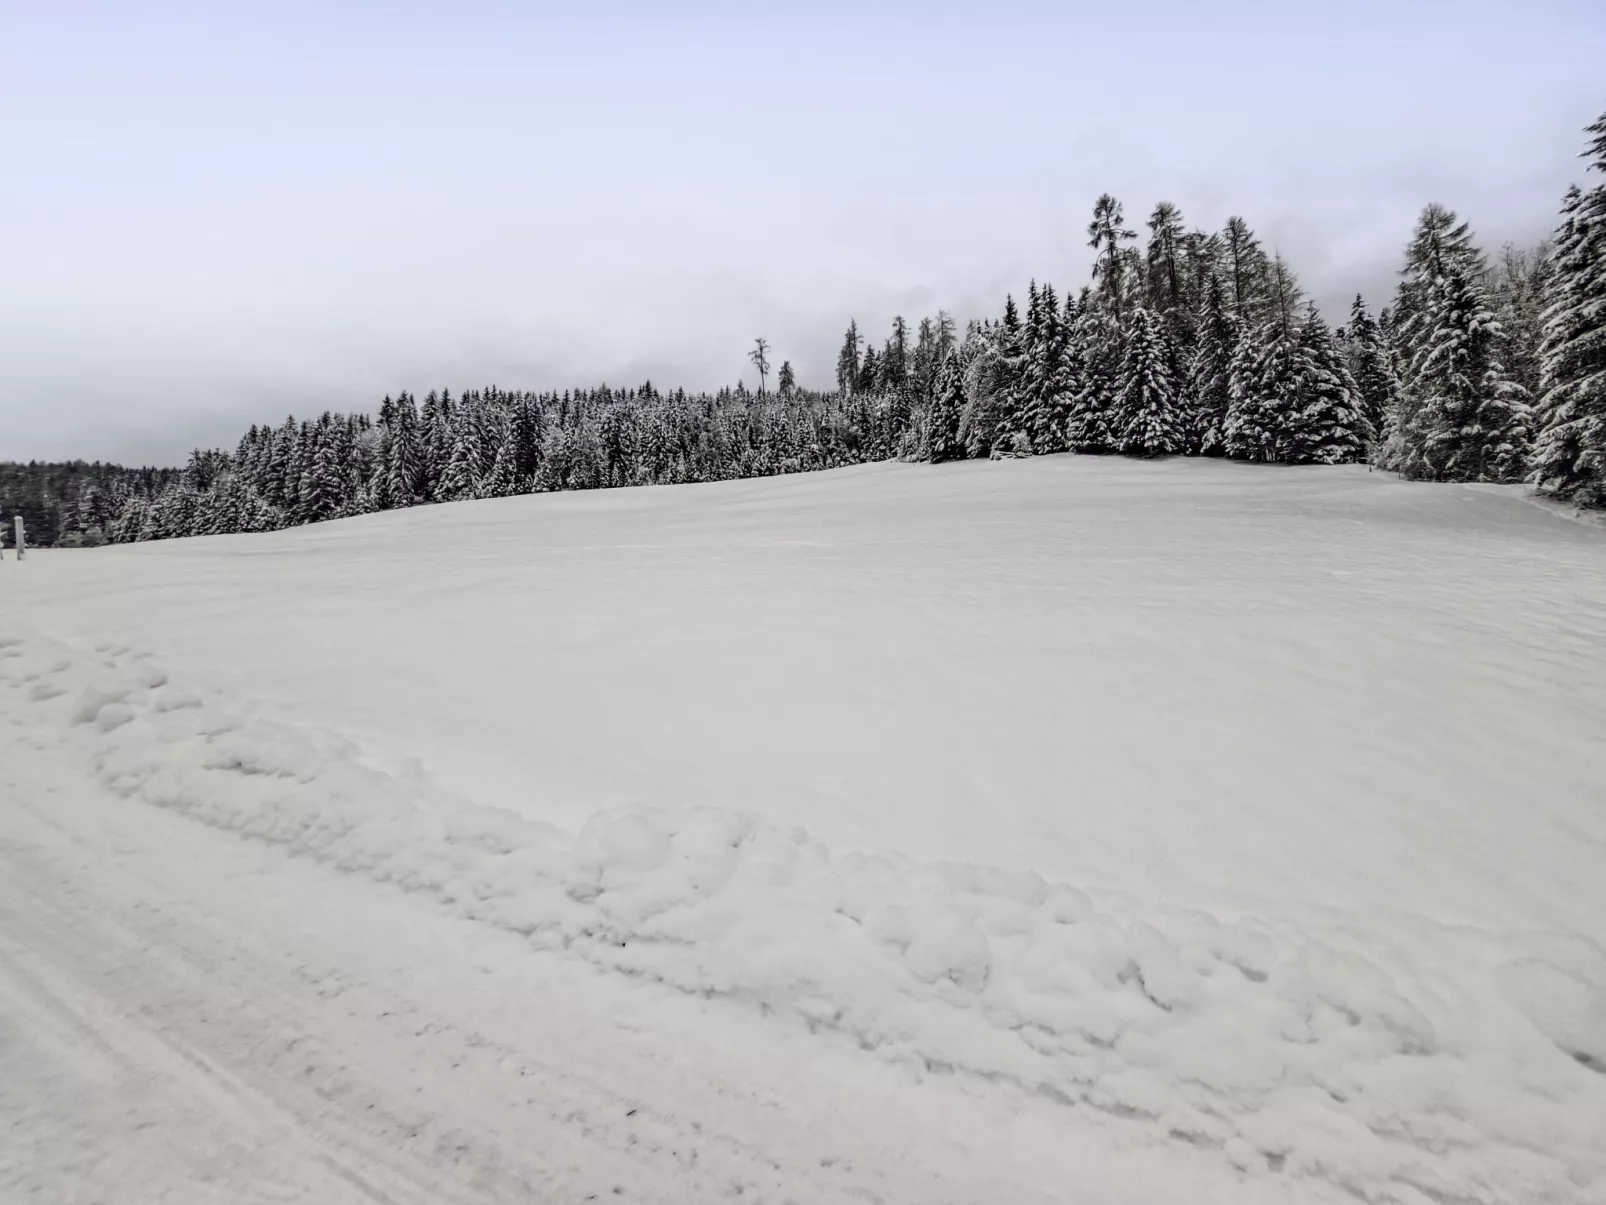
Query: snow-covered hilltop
x=1251, y=814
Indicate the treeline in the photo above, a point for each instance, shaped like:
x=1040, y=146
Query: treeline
x=61, y=502
x=1193, y=343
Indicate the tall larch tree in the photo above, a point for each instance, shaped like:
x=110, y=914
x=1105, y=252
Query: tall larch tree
x=1107, y=235
x=1244, y=265
x=1165, y=278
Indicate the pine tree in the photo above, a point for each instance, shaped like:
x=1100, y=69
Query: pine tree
x=1441, y=241
x=948, y=403
x=1327, y=425
x=276, y=468
x=786, y=380
x=402, y=483
x=297, y=461
x=1471, y=422
x=1211, y=373
x=459, y=478
x=1517, y=295
x=1095, y=354
x=319, y=491
x=869, y=373
x=1009, y=402
x=1266, y=375
x=432, y=442
x=1249, y=432
x=987, y=384
x=1144, y=417
x=501, y=481
x=1569, y=455
x=1371, y=365
x=1045, y=386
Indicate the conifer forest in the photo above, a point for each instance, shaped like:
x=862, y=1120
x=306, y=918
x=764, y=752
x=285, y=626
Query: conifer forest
x=1185, y=342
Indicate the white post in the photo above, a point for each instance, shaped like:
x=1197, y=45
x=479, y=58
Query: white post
x=22, y=543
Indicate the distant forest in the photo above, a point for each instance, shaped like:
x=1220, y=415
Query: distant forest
x=57, y=500
x=1194, y=343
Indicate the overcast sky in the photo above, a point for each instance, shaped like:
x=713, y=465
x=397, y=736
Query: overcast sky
x=216, y=213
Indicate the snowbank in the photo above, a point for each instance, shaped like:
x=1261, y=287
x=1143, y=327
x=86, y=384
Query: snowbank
x=1476, y=1074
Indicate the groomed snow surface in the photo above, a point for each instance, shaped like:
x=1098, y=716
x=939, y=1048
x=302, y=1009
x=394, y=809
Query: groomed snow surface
x=1055, y=830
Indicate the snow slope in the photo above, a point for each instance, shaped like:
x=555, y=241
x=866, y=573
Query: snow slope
x=1259, y=810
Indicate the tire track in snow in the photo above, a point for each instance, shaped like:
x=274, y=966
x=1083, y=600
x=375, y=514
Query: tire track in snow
x=1382, y=1112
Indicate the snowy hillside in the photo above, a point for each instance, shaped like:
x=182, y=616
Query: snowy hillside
x=1254, y=815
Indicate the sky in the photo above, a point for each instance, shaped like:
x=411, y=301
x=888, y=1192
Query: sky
x=217, y=214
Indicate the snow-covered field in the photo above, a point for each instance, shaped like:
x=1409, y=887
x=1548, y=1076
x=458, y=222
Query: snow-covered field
x=1056, y=830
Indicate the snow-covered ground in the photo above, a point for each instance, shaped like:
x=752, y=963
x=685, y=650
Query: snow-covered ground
x=1060, y=830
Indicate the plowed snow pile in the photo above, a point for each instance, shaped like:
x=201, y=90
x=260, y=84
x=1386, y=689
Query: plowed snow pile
x=1264, y=810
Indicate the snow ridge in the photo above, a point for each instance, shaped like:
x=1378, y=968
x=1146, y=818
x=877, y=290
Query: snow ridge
x=1293, y=1054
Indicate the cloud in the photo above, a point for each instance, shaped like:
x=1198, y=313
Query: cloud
x=241, y=213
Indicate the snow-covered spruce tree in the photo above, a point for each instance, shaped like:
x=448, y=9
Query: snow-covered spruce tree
x=432, y=442
x=404, y=472
x=277, y=469
x=1519, y=282
x=1439, y=242
x=1009, y=400
x=1470, y=421
x=501, y=481
x=1211, y=373
x=1265, y=376
x=459, y=478
x=1095, y=357
x=320, y=481
x=1569, y=454
x=1044, y=382
x=1327, y=425
x=989, y=384
x=303, y=447
x=947, y=405
x=1144, y=418
x=1371, y=365
x=525, y=431
x=1253, y=419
